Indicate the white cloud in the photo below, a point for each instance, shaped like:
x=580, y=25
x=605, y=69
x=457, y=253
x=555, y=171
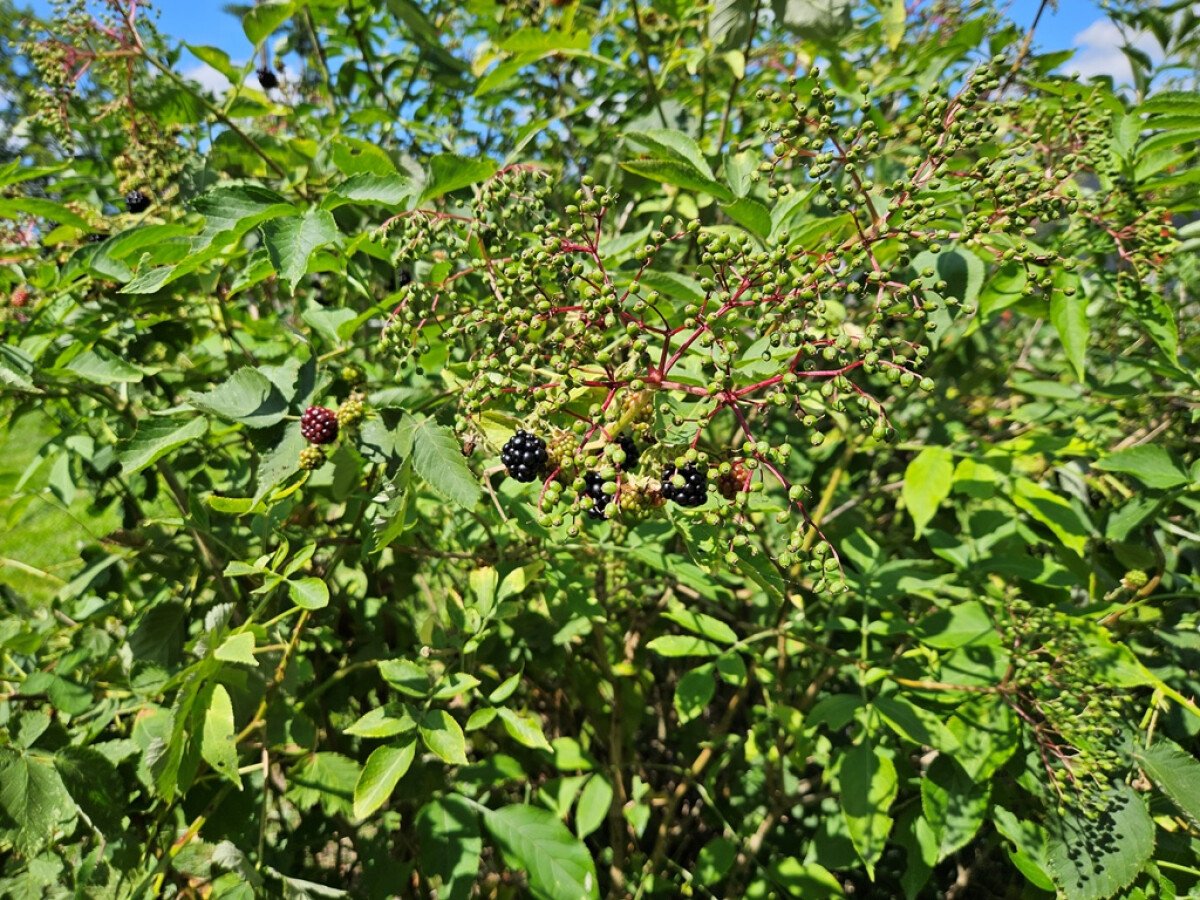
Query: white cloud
x=1099, y=51
x=208, y=78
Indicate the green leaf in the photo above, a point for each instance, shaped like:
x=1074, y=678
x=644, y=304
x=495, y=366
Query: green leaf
x=694, y=692
x=437, y=457
x=730, y=23
x=894, y=16
x=557, y=863
x=680, y=174
x=443, y=735
x=405, y=676
x=955, y=806
x=1054, y=512
x=1090, y=866
x=385, y=767
x=667, y=143
x=927, y=482
x=964, y=624
x=393, y=191
x=324, y=778
x=682, y=645
x=700, y=623
x=868, y=787
x=750, y=214
x=34, y=797
x=594, y=803
x=217, y=745
x=16, y=368
x=916, y=723
x=449, y=172
x=264, y=18
x=247, y=396
x=1177, y=774
x=291, y=242
x=156, y=437
x=237, y=648
x=1150, y=464
x=378, y=724
x=525, y=728
x=309, y=593
x=39, y=208
x=448, y=829
x=1068, y=314
x=100, y=366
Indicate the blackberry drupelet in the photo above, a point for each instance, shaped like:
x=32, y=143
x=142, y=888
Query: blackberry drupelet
x=136, y=201
x=319, y=425
x=524, y=456
x=594, y=488
x=694, y=490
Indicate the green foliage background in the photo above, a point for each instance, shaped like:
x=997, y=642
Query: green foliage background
x=945, y=647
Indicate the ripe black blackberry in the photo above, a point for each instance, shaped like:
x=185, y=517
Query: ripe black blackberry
x=632, y=453
x=524, y=456
x=594, y=488
x=136, y=201
x=694, y=490
x=319, y=425
x=96, y=237
x=267, y=78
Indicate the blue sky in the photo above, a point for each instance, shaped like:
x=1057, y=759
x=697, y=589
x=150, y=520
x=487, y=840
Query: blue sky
x=1076, y=24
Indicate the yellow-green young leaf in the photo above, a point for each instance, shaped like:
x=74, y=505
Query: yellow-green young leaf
x=533, y=839
x=894, y=16
x=385, y=767
x=217, y=745
x=442, y=734
x=525, y=728
x=237, y=648
x=868, y=786
x=378, y=724
x=927, y=482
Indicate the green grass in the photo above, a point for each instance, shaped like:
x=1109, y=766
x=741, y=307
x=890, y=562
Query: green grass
x=40, y=539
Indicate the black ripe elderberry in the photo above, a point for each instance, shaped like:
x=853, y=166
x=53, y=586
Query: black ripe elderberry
x=632, y=453
x=524, y=456
x=319, y=425
x=267, y=78
x=593, y=487
x=136, y=201
x=403, y=278
x=694, y=490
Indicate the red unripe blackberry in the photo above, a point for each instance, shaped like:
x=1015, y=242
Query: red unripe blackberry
x=136, y=201
x=319, y=425
x=594, y=488
x=267, y=78
x=524, y=456
x=19, y=298
x=694, y=490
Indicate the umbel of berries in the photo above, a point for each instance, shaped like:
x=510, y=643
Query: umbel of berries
x=524, y=456
x=136, y=201
x=319, y=425
x=267, y=78
x=593, y=488
x=693, y=491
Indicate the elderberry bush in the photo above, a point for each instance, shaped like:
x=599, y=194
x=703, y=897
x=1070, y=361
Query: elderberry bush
x=564, y=449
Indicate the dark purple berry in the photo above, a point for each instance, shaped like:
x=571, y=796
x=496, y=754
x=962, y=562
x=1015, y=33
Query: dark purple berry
x=267, y=78
x=524, y=456
x=319, y=425
x=694, y=490
x=403, y=278
x=136, y=201
x=594, y=488
x=632, y=453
